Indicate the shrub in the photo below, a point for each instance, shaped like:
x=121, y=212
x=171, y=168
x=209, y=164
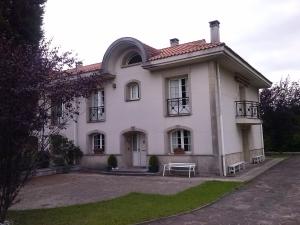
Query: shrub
x=153, y=164
x=112, y=162
x=43, y=159
x=61, y=146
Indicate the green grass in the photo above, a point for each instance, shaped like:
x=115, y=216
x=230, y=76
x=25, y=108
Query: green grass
x=129, y=209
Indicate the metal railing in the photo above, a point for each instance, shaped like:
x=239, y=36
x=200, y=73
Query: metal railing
x=248, y=109
x=96, y=114
x=178, y=106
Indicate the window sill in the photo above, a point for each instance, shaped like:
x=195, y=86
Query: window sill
x=132, y=100
x=180, y=154
x=96, y=121
x=130, y=65
x=178, y=115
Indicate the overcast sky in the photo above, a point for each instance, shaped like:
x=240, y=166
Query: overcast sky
x=266, y=33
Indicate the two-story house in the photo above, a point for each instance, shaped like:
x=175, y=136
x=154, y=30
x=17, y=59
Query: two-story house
x=198, y=98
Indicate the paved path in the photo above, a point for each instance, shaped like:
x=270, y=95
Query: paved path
x=271, y=199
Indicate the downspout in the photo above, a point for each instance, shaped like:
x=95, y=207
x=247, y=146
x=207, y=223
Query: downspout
x=221, y=145
x=76, y=125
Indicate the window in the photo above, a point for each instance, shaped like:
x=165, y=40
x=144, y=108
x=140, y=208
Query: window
x=98, y=143
x=132, y=91
x=132, y=58
x=180, y=139
x=178, y=101
x=96, y=109
x=57, y=111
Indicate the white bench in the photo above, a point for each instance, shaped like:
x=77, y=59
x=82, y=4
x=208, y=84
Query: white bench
x=233, y=168
x=190, y=167
x=258, y=159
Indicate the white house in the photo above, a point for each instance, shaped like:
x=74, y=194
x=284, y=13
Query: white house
x=200, y=98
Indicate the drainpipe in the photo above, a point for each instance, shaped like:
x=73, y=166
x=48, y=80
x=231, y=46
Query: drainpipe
x=221, y=142
x=76, y=126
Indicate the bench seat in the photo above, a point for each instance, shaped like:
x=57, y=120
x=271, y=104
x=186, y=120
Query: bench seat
x=233, y=168
x=258, y=159
x=190, y=167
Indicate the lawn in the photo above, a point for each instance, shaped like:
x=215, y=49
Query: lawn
x=129, y=209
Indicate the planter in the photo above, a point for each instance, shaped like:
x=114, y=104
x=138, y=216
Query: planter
x=99, y=151
x=179, y=151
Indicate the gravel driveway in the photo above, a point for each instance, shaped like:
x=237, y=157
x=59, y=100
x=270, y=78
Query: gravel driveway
x=78, y=188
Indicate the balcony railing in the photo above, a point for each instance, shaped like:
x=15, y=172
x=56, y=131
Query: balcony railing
x=248, y=109
x=178, y=106
x=96, y=114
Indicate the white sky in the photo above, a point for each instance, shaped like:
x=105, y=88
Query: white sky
x=266, y=33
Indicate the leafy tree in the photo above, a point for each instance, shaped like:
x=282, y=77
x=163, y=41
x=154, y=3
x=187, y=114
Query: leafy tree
x=31, y=79
x=281, y=116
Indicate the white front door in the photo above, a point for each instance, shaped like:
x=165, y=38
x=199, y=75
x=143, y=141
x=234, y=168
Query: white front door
x=138, y=144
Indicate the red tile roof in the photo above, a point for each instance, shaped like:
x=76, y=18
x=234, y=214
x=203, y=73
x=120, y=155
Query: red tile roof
x=155, y=54
x=183, y=49
x=85, y=69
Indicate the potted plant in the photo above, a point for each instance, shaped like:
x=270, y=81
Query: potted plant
x=112, y=162
x=178, y=151
x=153, y=164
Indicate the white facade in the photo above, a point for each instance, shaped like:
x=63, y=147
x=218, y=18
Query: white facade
x=137, y=120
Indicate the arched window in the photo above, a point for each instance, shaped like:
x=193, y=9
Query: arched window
x=180, y=140
x=132, y=58
x=132, y=91
x=98, y=143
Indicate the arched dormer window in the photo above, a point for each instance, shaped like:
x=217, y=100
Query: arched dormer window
x=133, y=91
x=132, y=59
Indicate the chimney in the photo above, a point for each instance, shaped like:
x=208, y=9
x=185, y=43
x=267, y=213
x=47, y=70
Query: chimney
x=174, y=42
x=79, y=64
x=214, y=31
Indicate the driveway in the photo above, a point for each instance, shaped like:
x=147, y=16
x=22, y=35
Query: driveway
x=79, y=188
x=271, y=199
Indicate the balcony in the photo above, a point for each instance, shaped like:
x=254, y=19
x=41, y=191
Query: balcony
x=248, y=112
x=178, y=106
x=96, y=114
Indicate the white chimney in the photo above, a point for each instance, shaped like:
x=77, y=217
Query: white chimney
x=174, y=42
x=214, y=31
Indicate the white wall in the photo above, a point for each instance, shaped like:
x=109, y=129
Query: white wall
x=148, y=113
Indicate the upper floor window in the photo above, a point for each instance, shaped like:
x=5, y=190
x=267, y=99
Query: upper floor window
x=132, y=91
x=57, y=113
x=96, y=107
x=132, y=58
x=178, y=93
x=180, y=141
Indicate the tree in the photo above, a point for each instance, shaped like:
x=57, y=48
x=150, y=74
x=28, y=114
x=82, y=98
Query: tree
x=22, y=20
x=31, y=79
x=281, y=116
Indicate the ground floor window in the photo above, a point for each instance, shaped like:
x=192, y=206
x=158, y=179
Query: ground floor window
x=180, y=140
x=98, y=143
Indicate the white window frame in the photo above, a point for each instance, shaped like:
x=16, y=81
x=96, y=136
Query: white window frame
x=101, y=141
x=133, y=91
x=97, y=100
x=182, y=137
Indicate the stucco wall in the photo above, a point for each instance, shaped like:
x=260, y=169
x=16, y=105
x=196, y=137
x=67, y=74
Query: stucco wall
x=229, y=94
x=232, y=132
x=149, y=113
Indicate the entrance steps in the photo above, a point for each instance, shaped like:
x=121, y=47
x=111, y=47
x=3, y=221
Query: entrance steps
x=124, y=172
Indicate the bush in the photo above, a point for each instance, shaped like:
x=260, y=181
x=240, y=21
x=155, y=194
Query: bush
x=153, y=164
x=43, y=159
x=112, y=162
x=61, y=146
